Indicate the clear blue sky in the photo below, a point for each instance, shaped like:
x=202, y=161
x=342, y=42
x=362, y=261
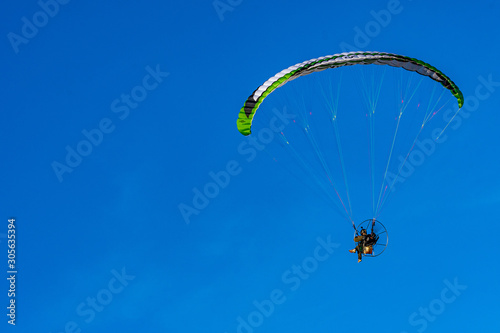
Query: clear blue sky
x=114, y=114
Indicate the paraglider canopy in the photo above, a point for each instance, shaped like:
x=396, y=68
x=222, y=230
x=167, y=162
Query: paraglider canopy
x=253, y=102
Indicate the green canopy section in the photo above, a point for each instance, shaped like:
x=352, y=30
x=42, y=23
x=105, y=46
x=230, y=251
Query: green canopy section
x=253, y=102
